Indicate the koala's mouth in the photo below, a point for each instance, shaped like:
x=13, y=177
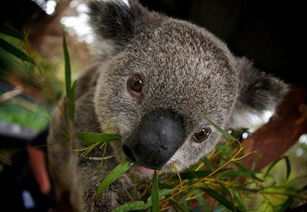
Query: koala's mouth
x=143, y=170
x=155, y=140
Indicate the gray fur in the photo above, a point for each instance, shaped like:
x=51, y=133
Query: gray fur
x=185, y=68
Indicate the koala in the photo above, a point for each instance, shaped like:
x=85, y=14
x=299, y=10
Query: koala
x=155, y=82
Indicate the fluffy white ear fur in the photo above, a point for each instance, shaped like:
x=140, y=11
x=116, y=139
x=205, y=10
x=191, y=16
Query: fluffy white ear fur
x=251, y=120
x=126, y=2
x=260, y=93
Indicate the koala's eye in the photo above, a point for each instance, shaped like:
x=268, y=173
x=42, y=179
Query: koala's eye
x=135, y=83
x=202, y=135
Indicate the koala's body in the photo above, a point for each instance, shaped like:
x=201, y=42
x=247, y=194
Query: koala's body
x=156, y=80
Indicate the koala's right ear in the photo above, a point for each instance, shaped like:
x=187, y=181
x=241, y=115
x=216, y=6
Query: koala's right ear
x=114, y=23
x=259, y=92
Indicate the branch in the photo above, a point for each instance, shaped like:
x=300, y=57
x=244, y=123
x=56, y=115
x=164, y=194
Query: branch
x=280, y=133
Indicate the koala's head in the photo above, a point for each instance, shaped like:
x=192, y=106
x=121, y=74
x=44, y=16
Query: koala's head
x=160, y=78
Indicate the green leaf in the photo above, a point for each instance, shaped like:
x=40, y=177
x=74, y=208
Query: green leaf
x=220, y=199
x=243, y=168
x=177, y=206
x=163, y=184
x=67, y=68
x=15, y=51
x=155, y=193
x=207, y=163
x=132, y=206
x=226, y=192
x=112, y=176
x=286, y=204
x=162, y=194
x=91, y=138
x=194, y=174
x=275, y=162
x=71, y=101
x=223, y=132
x=70, y=89
x=242, y=188
x=140, y=205
x=202, y=202
x=230, y=174
x=238, y=200
x=288, y=166
x=11, y=32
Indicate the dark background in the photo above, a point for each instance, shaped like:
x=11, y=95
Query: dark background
x=270, y=33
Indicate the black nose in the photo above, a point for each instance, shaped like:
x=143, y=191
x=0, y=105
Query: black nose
x=128, y=153
x=156, y=139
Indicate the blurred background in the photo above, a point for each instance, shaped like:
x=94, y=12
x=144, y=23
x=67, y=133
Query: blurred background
x=267, y=32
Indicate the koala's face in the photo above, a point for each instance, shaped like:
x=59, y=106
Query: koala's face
x=161, y=79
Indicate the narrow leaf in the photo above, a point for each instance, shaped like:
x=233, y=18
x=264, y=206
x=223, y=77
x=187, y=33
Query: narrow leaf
x=155, y=194
x=71, y=101
x=223, y=132
x=229, y=174
x=11, y=32
x=275, y=162
x=219, y=198
x=238, y=200
x=202, y=202
x=67, y=68
x=288, y=166
x=132, y=206
x=15, y=51
x=140, y=205
x=286, y=204
x=243, y=168
x=113, y=175
x=196, y=174
x=92, y=138
x=207, y=163
x=177, y=206
x=162, y=194
x=242, y=188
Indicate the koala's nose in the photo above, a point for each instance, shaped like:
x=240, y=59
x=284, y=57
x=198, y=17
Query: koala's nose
x=156, y=139
x=129, y=153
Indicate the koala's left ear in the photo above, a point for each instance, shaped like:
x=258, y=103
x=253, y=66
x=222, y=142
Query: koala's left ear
x=259, y=91
x=114, y=23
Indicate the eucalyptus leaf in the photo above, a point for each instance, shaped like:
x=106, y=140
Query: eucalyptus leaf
x=221, y=199
x=112, y=176
x=207, y=163
x=91, y=138
x=223, y=132
x=132, y=206
x=230, y=174
x=155, y=193
x=194, y=174
x=141, y=205
x=15, y=51
x=202, y=202
x=288, y=166
x=286, y=204
x=67, y=68
x=239, y=201
x=177, y=206
x=11, y=32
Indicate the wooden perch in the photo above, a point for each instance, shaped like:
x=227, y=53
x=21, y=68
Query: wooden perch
x=280, y=133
